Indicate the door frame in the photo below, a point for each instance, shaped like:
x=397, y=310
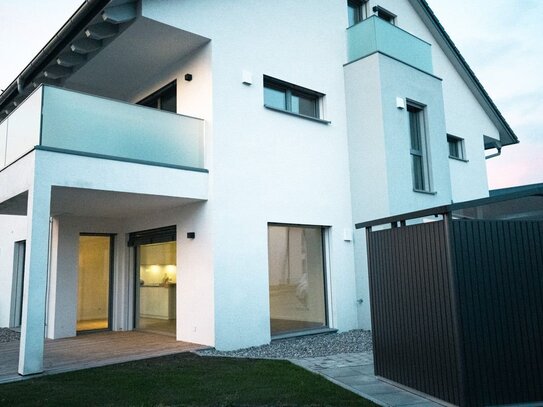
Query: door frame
x=136, y=239
x=17, y=284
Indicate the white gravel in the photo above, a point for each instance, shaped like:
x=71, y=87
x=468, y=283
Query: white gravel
x=304, y=346
x=7, y=335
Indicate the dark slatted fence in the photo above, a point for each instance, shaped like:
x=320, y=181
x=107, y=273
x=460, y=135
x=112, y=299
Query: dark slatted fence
x=499, y=265
x=457, y=309
x=412, y=309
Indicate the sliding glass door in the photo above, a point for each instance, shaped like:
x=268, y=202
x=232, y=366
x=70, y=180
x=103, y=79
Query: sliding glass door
x=156, y=288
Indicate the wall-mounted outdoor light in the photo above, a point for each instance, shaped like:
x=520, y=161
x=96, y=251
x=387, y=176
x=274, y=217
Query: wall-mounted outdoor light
x=191, y=235
x=246, y=78
x=188, y=77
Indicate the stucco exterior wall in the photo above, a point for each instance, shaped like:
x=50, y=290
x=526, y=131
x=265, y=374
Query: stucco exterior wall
x=464, y=116
x=268, y=166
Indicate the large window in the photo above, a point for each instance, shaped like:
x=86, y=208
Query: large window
x=419, y=148
x=163, y=99
x=291, y=98
x=297, y=278
x=357, y=11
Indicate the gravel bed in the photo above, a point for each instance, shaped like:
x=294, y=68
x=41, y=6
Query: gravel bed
x=7, y=335
x=304, y=346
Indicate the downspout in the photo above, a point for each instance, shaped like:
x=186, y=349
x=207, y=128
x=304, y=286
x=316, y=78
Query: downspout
x=488, y=157
x=494, y=144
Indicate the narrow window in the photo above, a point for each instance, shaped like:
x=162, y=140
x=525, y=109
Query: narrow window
x=297, y=284
x=456, y=147
x=163, y=99
x=17, y=284
x=357, y=11
x=419, y=154
x=385, y=14
x=291, y=98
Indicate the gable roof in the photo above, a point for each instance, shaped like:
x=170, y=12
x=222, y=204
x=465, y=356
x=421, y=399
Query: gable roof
x=507, y=135
x=91, y=8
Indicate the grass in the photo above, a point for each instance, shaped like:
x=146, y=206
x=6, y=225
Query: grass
x=182, y=380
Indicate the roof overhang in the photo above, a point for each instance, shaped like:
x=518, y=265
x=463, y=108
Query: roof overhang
x=88, y=30
x=107, y=48
x=507, y=136
x=516, y=203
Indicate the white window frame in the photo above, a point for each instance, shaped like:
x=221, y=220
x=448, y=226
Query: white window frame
x=290, y=90
x=360, y=8
x=384, y=14
x=422, y=178
x=460, y=146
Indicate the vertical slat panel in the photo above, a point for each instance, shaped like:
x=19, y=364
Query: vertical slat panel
x=412, y=309
x=498, y=271
x=499, y=267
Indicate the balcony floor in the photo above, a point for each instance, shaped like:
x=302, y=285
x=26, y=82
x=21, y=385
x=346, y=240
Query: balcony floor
x=93, y=350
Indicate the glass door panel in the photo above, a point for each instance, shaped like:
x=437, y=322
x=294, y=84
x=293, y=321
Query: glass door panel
x=297, y=280
x=93, y=295
x=156, y=291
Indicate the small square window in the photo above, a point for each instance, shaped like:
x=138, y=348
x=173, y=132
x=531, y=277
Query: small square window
x=291, y=98
x=357, y=11
x=384, y=14
x=456, y=147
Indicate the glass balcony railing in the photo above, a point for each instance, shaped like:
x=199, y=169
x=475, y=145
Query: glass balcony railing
x=377, y=35
x=74, y=122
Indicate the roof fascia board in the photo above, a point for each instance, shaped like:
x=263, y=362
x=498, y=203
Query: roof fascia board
x=507, y=195
x=82, y=16
x=507, y=135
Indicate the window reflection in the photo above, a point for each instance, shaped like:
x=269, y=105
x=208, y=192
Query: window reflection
x=296, y=271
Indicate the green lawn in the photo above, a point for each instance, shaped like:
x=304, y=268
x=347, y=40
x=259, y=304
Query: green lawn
x=182, y=380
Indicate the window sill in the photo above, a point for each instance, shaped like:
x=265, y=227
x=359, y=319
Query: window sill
x=452, y=157
x=420, y=191
x=308, y=332
x=302, y=116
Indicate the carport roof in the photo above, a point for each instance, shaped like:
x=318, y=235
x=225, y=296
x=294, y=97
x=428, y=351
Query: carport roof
x=523, y=202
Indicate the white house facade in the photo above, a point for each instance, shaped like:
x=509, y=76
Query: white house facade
x=196, y=167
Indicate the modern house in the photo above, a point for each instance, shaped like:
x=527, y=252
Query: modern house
x=197, y=167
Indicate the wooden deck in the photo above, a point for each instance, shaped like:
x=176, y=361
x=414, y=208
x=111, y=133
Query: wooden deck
x=92, y=350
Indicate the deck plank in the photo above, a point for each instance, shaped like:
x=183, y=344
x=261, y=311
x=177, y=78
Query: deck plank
x=93, y=350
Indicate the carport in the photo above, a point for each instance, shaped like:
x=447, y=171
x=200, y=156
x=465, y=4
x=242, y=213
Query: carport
x=457, y=298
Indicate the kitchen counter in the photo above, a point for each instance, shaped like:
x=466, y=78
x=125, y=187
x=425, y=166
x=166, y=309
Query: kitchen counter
x=158, y=301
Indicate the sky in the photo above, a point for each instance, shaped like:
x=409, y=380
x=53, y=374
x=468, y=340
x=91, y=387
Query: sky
x=501, y=43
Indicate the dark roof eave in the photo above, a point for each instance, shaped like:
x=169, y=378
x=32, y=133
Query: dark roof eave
x=507, y=135
x=82, y=16
x=496, y=196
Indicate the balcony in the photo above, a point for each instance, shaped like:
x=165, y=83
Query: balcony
x=76, y=123
x=377, y=35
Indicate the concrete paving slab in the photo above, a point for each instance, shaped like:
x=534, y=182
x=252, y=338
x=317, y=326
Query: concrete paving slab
x=340, y=372
x=355, y=372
